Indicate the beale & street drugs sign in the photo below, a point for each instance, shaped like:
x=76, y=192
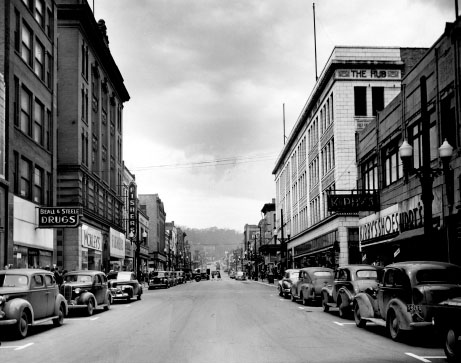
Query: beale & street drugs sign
x=59, y=217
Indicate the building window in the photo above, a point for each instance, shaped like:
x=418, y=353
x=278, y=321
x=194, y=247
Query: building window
x=38, y=185
x=15, y=172
x=39, y=114
x=49, y=23
x=416, y=140
x=370, y=174
x=360, y=101
x=84, y=61
x=25, y=178
x=393, y=168
x=39, y=12
x=26, y=44
x=26, y=115
x=28, y=4
x=39, y=64
x=49, y=189
x=377, y=99
x=17, y=30
x=48, y=129
x=49, y=71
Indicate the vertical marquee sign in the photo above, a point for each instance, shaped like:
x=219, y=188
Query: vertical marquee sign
x=132, y=208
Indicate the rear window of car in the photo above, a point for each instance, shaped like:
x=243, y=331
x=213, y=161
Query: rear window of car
x=13, y=280
x=158, y=274
x=323, y=274
x=85, y=279
x=444, y=276
x=367, y=274
x=124, y=276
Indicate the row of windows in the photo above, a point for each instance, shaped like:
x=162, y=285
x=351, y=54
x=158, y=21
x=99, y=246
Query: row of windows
x=31, y=181
x=328, y=156
x=314, y=172
x=360, y=100
x=31, y=116
x=315, y=210
x=42, y=14
x=32, y=51
x=326, y=114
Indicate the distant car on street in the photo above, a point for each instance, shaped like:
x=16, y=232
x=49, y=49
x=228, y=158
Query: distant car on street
x=29, y=297
x=159, y=279
x=232, y=274
x=349, y=280
x=240, y=275
x=86, y=289
x=308, y=288
x=289, y=278
x=123, y=285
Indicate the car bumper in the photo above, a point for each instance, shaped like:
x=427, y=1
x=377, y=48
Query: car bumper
x=119, y=295
x=72, y=304
x=8, y=321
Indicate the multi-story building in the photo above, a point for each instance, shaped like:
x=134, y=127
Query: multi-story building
x=3, y=182
x=418, y=217
x=319, y=156
x=89, y=162
x=269, y=247
x=28, y=54
x=153, y=206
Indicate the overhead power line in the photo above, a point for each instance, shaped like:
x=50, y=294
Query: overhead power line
x=233, y=160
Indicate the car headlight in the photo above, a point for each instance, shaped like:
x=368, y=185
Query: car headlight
x=3, y=299
x=77, y=290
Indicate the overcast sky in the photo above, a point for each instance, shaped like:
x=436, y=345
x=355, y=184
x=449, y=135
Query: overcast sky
x=208, y=80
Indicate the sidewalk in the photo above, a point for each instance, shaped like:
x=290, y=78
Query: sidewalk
x=266, y=282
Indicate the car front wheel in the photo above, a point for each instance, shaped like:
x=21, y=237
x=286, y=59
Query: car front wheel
x=326, y=307
x=60, y=319
x=90, y=307
x=452, y=346
x=22, y=326
x=361, y=323
x=393, y=326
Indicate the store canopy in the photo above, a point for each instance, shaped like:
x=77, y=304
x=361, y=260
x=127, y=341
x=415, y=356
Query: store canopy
x=413, y=233
x=270, y=248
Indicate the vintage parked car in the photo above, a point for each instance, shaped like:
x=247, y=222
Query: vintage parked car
x=159, y=279
x=447, y=321
x=308, y=288
x=30, y=297
x=240, y=275
x=173, y=278
x=289, y=278
x=86, y=289
x=123, y=285
x=349, y=280
x=406, y=297
x=180, y=277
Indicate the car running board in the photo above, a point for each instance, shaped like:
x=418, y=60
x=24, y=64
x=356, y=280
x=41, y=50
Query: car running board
x=379, y=322
x=46, y=320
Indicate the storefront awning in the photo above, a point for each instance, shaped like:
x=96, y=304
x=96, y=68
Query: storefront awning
x=270, y=248
x=413, y=233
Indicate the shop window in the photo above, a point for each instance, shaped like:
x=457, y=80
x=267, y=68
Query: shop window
x=360, y=101
x=377, y=99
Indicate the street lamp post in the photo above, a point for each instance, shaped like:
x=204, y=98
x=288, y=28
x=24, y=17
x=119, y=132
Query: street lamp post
x=425, y=173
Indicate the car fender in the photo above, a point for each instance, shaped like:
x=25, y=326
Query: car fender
x=13, y=308
x=327, y=290
x=346, y=297
x=85, y=297
x=60, y=299
x=401, y=311
x=365, y=305
x=306, y=289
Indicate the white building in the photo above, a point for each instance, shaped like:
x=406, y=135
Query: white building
x=320, y=152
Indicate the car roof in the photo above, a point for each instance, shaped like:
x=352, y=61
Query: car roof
x=360, y=267
x=313, y=269
x=25, y=271
x=416, y=265
x=84, y=272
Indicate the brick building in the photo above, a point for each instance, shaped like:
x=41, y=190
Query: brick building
x=28, y=49
x=425, y=113
x=89, y=162
x=319, y=156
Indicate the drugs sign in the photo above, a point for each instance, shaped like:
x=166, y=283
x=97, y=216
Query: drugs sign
x=62, y=217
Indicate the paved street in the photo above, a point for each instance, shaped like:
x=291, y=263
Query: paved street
x=214, y=321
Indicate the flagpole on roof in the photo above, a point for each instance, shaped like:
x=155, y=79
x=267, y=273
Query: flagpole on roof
x=315, y=43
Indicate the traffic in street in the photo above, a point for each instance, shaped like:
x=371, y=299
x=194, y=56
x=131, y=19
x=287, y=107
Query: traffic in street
x=224, y=320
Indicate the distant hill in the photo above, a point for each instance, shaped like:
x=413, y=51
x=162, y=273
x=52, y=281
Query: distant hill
x=222, y=239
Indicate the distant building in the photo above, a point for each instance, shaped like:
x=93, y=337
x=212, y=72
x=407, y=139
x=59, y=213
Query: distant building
x=153, y=206
x=319, y=156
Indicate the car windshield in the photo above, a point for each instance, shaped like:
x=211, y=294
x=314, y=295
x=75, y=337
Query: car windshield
x=13, y=280
x=444, y=276
x=85, y=279
x=293, y=274
x=367, y=274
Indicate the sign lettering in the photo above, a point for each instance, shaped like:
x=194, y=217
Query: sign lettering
x=54, y=217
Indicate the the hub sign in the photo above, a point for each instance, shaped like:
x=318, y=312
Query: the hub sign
x=54, y=217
